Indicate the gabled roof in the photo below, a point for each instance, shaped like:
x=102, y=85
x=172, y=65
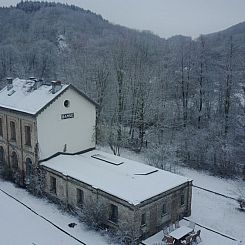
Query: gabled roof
x=24, y=98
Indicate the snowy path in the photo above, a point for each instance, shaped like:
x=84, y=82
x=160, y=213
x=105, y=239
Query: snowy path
x=42, y=217
x=31, y=229
x=19, y=226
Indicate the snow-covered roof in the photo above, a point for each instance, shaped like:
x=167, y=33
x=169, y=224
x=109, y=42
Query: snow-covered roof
x=24, y=98
x=128, y=180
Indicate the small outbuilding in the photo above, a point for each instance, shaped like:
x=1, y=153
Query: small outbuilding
x=134, y=197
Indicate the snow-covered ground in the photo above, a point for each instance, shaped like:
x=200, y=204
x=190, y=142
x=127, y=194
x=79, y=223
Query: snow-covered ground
x=20, y=226
x=207, y=238
x=216, y=212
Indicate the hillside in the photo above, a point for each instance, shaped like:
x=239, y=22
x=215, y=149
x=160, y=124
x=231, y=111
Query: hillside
x=36, y=37
x=180, y=100
x=238, y=29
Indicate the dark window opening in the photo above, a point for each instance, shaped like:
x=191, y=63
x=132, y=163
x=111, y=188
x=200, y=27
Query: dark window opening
x=143, y=219
x=52, y=184
x=67, y=103
x=28, y=135
x=113, y=213
x=1, y=127
x=12, y=131
x=1, y=154
x=182, y=199
x=164, y=210
x=80, y=197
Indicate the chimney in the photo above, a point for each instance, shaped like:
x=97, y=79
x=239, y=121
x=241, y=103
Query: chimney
x=9, y=83
x=38, y=83
x=56, y=86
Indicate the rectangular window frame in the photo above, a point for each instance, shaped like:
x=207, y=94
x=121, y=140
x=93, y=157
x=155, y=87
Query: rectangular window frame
x=164, y=210
x=182, y=199
x=143, y=219
x=80, y=198
x=1, y=127
x=113, y=216
x=53, y=185
x=12, y=131
x=27, y=130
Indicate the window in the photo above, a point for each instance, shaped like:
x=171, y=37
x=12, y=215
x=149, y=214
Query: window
x=67, y=103
x=28, y=135
x=1, y=154
x=113, y=213
x=1, y=127
x=164, y=210
x=52, y=184
x=143, y=219
x=182, y=199
x=12, y=131
x=80, y=197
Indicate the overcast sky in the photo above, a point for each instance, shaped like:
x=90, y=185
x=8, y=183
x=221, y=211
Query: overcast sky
x=166, y=17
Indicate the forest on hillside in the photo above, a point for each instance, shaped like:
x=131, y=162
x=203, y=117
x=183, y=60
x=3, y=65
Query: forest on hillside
x=177, y=100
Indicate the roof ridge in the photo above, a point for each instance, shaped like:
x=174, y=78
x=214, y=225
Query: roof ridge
x=32, y=99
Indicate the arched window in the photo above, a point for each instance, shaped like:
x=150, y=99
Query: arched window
x=1, y=154
x=14, y=160
x=28, y=163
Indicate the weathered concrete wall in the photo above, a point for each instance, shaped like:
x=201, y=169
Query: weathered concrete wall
x=66, y=191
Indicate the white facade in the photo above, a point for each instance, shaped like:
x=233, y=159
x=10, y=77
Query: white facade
x=69, y=135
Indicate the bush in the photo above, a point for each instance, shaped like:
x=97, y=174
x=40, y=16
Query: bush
x=6, y=172
x=94, y=214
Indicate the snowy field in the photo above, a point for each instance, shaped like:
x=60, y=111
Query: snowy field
x=216, y=212
x=20, y=226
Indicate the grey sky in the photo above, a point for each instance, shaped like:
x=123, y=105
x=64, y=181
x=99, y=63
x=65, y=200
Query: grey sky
x=166, y=17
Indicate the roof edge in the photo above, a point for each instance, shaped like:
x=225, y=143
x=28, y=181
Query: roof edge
x=51, y=101
x=129, y=204
x=62, y=92
x=66, y=154
x=17, y=111
x=84, y=95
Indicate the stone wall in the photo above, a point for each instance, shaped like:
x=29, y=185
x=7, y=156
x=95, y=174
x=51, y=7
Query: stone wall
x=156, y=219
x=18, y=146
x=129, y=216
